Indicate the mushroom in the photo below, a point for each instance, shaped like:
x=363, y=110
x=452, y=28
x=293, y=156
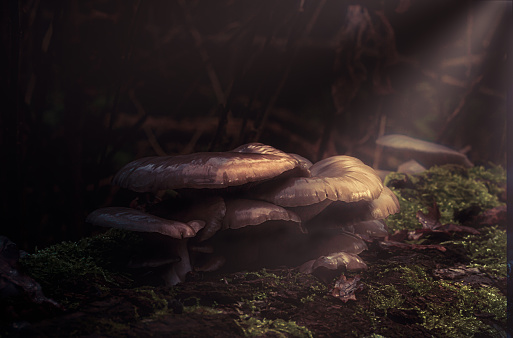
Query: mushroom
x=202, y=170
x=426, y=153
x=327, y=267
x=136, y=220
x=337, y=178
x=251, y=206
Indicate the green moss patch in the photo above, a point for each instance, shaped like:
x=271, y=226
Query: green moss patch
x=90, y=262
x=254, y=327
x=452, y=188
x=448, y=308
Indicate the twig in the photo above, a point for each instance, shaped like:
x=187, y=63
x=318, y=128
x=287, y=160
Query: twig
x=451, y=80
x=379, y=149
x=152, y=140
x=470, y=24
x=207, y=62
x=283, y=80
x=113, y=116
x=457, y=111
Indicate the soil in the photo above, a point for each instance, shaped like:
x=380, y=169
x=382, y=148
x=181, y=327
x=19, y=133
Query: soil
x=226, y=305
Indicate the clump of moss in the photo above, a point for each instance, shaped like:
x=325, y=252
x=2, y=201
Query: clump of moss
x=454, y=306
x=456, y=317
x=446, y=308
x=254, y=327
x=487, y=251
x=453, y=188
x=384, y=297
x=63, y=265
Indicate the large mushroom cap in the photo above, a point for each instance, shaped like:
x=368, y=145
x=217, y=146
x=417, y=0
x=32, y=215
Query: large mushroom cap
x=426, y=153
x=338, y=178
x=136, y=220
x=202, y=170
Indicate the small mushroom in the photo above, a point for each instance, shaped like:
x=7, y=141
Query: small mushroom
x=426, y=153
x=136, y=220
x=337, y=261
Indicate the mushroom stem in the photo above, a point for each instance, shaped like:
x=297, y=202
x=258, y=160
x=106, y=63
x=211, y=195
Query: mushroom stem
x=177, y=272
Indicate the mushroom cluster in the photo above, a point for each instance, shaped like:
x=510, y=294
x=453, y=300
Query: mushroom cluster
x=255, y=206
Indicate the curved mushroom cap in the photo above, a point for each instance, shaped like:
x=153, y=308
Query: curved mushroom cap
x=244, y=212
x=336, y=261
x=338, y=178
x=211, y=210
x=339, y=214
x=427, y=153
x=136, y=220
x=201, y=170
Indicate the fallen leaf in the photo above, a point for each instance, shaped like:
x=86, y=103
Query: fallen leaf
x=344, y=289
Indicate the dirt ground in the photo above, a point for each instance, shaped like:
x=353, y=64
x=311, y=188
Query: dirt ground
x=266, y=302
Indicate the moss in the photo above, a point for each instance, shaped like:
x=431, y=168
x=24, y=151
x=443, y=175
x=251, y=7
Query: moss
x=445, y=308
x=453, y=188
x=453, y=311
x=200, y=309
x=91, y=259
x=111, y=328
x=456, y=316
x=384, y=297
x=487, y=251
x=158, y=303
x=254, y=327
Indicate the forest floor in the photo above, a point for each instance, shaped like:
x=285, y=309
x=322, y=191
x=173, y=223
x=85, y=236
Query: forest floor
x=441, y=285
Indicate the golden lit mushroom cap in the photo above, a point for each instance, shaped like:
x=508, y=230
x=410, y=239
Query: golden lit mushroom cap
x=338, y=178
x=201, y=171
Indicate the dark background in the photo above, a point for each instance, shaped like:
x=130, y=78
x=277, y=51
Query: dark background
x=90, y=85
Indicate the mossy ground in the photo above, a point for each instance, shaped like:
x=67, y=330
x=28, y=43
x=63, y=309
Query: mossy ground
x=405, y=292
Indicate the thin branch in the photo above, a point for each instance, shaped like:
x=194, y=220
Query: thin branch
x=471, y=88
x=207, y=62
x=286, y=72
x=152, y=140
